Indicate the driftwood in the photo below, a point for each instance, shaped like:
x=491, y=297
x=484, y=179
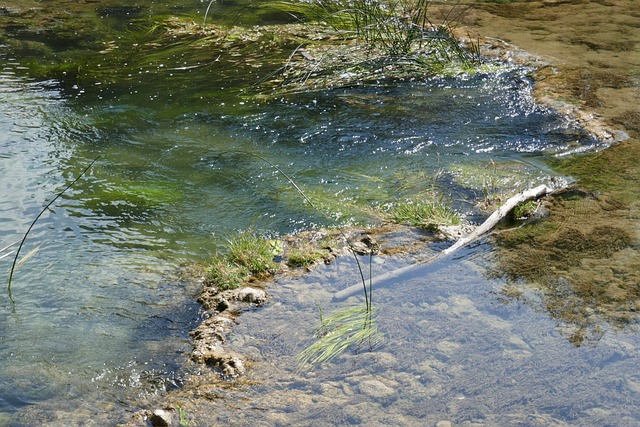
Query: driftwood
x=478, y=232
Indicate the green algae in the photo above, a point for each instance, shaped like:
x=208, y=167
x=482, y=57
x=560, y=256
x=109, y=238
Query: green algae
x=614, y=171
x=583, y=259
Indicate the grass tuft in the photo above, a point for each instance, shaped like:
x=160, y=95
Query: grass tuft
x=428, y=215
x=253, y=252
x=525, y=210
x=304, y=257
x=347, y=328
x=248, y=255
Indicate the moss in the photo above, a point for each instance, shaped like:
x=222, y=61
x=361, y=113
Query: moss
x=304, y=257
x=613, y=171
x=581, y=261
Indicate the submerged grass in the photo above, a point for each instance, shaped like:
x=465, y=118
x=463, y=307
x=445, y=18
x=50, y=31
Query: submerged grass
x=346, y=328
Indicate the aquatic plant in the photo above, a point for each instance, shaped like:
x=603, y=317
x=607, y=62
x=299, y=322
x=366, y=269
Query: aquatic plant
x=349, y=327
x=304, y=257
x=493, y=182
x=426, y=214
x=397, y=27
x=247, y=254
x=490, y=187
x=4, y=254
x=525, y=210
x=579, y=264
x=183, y=416
x=359, y=41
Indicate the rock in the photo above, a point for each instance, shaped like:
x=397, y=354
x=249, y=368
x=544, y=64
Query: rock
x=161, y=418
x=383, y=359
x=228, y=362
x=454, y=232
x=208, y=340
x=252, y=295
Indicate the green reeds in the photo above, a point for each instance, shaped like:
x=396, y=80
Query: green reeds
x=425, y=214
x=346, y=328
x=397, y=27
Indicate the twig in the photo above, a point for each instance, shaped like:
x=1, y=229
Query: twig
x=485, y=227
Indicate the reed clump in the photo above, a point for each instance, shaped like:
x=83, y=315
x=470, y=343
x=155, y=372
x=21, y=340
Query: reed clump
x=425, y=214
x=349, y=327
x=248, y=254
x=363, y=41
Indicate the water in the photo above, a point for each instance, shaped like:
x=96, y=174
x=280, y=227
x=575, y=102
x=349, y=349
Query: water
x=455, y=349
x=53, y=344
x=101, y=310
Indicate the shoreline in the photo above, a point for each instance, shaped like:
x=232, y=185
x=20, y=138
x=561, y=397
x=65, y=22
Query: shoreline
x=587, y=56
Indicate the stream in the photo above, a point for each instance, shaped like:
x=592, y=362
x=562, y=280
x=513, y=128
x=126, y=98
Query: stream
x=99, y=317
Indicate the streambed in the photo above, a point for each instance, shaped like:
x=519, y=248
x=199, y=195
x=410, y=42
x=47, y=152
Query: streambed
x=101, y=312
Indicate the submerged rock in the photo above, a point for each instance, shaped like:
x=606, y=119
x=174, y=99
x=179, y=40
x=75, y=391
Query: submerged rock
x=251, y=295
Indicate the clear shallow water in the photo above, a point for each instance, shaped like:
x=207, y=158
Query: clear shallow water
x=454, y=350
x=87, y=318
x=100, y=311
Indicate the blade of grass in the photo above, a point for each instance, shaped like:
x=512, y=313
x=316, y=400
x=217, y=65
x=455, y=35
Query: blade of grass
x=27, y=256
x=15, y=259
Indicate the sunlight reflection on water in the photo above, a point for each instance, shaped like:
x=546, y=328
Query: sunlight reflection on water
x=100, y=302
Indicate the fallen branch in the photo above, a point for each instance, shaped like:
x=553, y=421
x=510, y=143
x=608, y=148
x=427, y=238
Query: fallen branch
x=478, y=232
